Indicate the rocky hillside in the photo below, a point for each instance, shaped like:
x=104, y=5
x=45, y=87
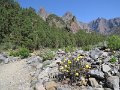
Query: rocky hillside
x=69, y=21
x=93, y=70
x=105, y=26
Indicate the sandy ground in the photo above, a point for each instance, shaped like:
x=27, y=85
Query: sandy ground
x=15, y=76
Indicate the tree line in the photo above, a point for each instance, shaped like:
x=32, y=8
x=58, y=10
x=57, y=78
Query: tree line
x=23, y=27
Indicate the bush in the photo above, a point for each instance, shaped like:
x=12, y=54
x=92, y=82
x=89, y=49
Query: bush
x=87, y=48
x=113, y=59
x=13, y=53
x=114, y=42
x=73, y=68
x=69, y=49
x=22, y=52
x=47, y=55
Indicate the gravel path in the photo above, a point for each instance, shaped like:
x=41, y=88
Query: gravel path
x=15, y=76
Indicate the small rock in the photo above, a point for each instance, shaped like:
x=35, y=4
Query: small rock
x=46, y=63
x=39, y=66
x=34, y=60
x=107, y=89
x=107, y=59
x=64, y=88
x=93, y=82
x=105, y=68
x=95, y=54
x=39, y=87
x=79, y=51
x=50, y=85
x=105, y=54
x=98, y=89
x=43, y=74
x=3, y=58
x=6, y=60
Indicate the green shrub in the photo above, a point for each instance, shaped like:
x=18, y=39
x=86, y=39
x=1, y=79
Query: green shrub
x=47, y=55
x=22, y=52
x=13, y=53
x=113, y=59
x=114, y=42
x=69, y=49
x=87, y=48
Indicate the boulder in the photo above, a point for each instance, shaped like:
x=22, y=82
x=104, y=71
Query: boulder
x=93, y=82
x=107, y=89
x=98, y=89
x=34, y=60
x=39, y=87
x=106, y=68
x=50, y=85
x=46, y=63
x=39, y=66
x=96, y=73
x=4, y=58
x=79, y=51
x=44, y=73
x=113, y=82
x=95, y=54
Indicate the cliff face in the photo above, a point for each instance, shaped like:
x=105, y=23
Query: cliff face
x=42, y=13
x=69, y=21
x=104, y=26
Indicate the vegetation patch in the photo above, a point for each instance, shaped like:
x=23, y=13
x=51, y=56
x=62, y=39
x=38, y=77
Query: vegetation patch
x=47, y=54
x=74, y=69
x=114, y=42
x=22, y=52
x=113, y=60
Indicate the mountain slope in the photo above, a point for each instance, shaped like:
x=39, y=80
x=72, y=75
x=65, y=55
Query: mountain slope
x=69, y=21
x=105, y=26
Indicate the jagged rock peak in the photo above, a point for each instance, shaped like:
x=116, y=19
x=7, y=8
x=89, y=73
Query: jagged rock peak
x=43, y=13
x=67, y=16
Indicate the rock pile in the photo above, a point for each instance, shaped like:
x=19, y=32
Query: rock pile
x=104, y=73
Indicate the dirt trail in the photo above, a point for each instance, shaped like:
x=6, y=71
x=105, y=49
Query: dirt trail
x=15, y=76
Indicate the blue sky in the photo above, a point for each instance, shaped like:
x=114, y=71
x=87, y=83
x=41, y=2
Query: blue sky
x=84, y=10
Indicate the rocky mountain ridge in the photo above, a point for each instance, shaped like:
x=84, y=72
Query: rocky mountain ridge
x=69, y=21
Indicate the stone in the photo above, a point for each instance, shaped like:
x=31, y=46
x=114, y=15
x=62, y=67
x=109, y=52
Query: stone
x=98, y=89
x=79, y=51
x=13, y=59
x=39, y=87
x=95, y=54
x=60, y=51
x=6, y=60
x=107, y=59
x=93, y=82
x=3, y=59
x=46, y=63
x=105, y=68
x=68, y=87
x=34, y=60
x=50, y=85
x=113, y=82
x=96, y=73
x=39, y=66
x=107, y=89
x=64, y=88
x=44, y=73
x=105, y=54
